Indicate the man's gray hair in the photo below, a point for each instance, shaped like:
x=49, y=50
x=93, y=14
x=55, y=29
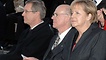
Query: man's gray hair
x=38, y=5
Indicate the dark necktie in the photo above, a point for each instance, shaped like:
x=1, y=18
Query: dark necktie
x=56, y=42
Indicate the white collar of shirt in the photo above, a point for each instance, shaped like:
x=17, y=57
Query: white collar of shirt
x=98, y=2
x=37, y=25
x=63, y=34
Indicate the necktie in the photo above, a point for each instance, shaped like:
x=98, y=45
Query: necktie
x=56, y=42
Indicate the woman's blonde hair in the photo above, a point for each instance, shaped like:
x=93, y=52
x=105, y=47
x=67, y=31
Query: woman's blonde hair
x=88, y=6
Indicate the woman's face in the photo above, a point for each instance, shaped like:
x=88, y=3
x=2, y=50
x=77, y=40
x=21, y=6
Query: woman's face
x=79, y=16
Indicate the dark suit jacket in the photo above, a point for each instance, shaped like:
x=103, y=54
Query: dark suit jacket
x=31, y=43
x=61, y=51
x=91, y=46
x=3, y=24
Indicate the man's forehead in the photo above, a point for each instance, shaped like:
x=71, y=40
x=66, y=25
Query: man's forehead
x=28, y=6
x=59, y=9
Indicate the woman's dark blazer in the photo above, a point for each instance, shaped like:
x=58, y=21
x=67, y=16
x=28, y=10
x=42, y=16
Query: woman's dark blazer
x=91, y=46
x=32, y=43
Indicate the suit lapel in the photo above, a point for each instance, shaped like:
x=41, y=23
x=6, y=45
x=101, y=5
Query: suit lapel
x=50, y=46
x=59, y=48
x=56, y=50
x=31, y=33
x=83, y=38
x=88, y=34
x=65, y=44
x=68, y=46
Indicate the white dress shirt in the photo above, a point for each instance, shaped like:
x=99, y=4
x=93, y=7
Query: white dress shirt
x=97, y=2
x=37, y=25
x=62, y=35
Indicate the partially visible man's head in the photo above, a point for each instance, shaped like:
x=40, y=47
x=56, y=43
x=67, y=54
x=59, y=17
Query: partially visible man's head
x=34, y=12
x=38, y=5
x=61, y=16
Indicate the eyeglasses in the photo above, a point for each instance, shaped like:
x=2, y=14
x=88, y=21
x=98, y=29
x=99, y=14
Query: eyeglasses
x=57, y=14
x=26, y=11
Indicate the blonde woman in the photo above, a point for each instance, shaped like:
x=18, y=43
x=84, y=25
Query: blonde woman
x=90, y=41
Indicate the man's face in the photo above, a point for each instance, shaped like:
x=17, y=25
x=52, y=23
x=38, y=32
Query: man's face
x=59, y=18
x=28, y=14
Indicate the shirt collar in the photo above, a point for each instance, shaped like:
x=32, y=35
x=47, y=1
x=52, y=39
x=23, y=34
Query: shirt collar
x=37, y=25
x=98, y=2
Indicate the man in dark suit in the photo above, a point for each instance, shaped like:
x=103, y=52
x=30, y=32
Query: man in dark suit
x=34, y=40
x=61, y=21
